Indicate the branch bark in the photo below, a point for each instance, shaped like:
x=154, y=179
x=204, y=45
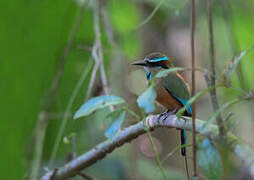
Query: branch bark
x=244, y=151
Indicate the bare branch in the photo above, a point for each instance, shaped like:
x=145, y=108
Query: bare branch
x=241, y=149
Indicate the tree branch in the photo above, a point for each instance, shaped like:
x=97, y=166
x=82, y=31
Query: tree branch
x=241, y=149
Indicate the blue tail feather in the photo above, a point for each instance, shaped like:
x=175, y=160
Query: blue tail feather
x=183, y=132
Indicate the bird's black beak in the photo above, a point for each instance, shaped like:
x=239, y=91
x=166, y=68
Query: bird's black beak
x=139, y=63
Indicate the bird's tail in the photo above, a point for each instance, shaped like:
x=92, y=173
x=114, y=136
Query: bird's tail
x=183, y=142
x=183, y=150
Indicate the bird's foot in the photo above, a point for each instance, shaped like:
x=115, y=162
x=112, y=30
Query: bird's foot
x=163, y=113
x=163, y=116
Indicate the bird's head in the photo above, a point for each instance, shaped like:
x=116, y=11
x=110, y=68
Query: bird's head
x=154, y=62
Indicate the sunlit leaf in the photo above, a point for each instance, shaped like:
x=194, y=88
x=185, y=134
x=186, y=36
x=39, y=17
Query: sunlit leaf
x=232, y=66
x=97, y=103
x=118, y=117
x=164, y=73
x=209, y=160
x=146, y=100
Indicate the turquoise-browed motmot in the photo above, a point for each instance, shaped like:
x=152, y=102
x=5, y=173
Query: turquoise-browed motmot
x=172, y=91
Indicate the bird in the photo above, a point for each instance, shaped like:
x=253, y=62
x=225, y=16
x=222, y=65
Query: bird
x=172, y=91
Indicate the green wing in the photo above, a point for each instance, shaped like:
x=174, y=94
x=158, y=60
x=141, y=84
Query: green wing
x=176, y=86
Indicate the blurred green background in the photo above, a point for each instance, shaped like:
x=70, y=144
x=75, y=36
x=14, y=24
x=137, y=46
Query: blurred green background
x=33, y=37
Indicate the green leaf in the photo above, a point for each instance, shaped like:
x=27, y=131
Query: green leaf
x=146, y=100
x=232, y=66
x=97, y=103
x=164, y=73
x=118, y=117
x=209, y=160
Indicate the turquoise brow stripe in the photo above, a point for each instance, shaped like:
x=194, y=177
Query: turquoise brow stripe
x=158, y=59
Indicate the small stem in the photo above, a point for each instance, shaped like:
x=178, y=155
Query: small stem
x=92, y=80
x=177, y=149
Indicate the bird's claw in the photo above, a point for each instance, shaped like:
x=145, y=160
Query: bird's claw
x=166, y=114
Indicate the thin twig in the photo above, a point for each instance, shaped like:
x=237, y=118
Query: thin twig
x=42, y=121
x=244, y=151
x=213, y=93
x=92, y=80
x=98, y=55
x=193, y=19
x=67, y=111
x=173, y=152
